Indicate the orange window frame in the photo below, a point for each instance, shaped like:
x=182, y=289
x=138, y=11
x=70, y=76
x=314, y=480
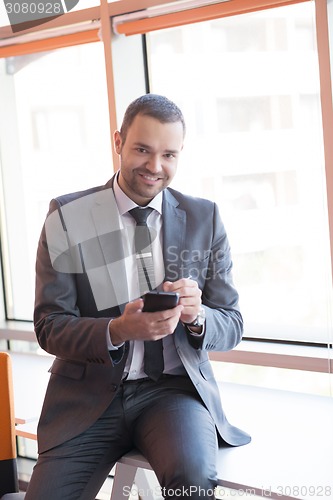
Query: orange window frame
x=198, y=14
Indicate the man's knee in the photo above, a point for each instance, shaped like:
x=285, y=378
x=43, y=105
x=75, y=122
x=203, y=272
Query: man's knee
x=193, y=479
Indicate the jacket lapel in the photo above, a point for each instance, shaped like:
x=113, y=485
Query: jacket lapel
x=174, y=229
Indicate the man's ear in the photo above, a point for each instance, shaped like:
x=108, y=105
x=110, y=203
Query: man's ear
x=117, y=142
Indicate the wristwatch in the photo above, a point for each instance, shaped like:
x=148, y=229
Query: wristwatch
x=199, y=320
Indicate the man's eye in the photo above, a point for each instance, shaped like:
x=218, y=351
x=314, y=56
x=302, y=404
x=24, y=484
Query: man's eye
x=141, y=150
x=169, y=155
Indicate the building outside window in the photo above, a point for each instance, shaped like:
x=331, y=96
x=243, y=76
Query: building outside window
x=249, y=86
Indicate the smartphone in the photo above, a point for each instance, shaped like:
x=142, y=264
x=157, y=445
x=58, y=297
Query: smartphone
x=159, y=301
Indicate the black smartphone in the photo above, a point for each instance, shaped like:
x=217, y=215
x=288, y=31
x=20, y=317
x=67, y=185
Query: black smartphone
x=159, y=301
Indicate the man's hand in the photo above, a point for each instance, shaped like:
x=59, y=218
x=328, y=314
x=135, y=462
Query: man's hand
x=134, y=324
x=189, y=297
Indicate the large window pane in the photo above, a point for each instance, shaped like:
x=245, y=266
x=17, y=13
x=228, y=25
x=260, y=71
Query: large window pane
x=55, y=138
x=249, y=87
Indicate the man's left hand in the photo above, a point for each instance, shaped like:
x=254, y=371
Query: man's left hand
x=189, y=297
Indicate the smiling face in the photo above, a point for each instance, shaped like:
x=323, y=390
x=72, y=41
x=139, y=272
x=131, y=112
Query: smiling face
x=148, y=157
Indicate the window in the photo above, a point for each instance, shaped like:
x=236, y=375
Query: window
x=250, y=95
x=55, y=138
x=246, y=114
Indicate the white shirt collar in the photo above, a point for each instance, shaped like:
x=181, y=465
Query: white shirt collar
x=125, y=203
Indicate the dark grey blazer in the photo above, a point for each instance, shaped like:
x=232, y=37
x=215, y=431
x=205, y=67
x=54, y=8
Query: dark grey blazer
x=71, y=323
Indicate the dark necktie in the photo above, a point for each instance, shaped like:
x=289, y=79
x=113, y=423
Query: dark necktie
x=143, y=249
x=153, y=350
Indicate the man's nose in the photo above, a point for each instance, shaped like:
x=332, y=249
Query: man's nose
x=154, y=164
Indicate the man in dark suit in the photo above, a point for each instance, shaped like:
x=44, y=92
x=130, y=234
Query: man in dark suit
x=100, y=402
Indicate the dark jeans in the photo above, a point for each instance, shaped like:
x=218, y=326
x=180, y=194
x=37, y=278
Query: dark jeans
x=166, y=421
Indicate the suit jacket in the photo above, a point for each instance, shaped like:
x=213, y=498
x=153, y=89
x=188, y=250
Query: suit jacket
x=75, y=267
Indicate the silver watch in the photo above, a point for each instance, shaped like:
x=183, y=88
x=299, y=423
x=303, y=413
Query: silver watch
x=199, y=320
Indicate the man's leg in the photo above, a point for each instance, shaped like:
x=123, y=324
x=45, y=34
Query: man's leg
x=77, y=469
x=178, y=436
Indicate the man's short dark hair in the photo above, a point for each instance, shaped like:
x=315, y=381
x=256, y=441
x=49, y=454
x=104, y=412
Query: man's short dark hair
x=154, y=105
